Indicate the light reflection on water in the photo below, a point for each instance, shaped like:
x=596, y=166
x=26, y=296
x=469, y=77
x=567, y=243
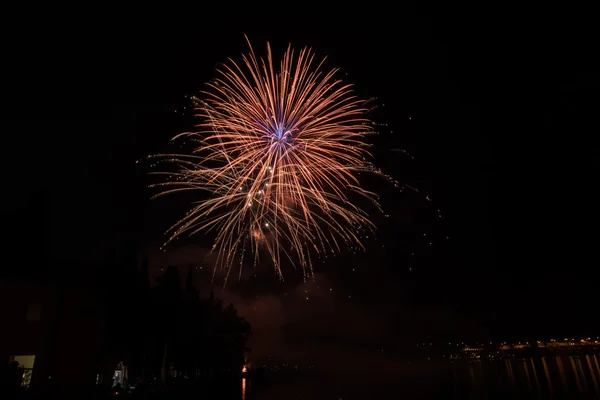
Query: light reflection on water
x=539, y=377
x=546, y=377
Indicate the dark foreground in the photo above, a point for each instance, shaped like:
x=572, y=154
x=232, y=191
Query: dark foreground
x=566, y=377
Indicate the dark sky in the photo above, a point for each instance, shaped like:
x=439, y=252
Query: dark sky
x=498, y=113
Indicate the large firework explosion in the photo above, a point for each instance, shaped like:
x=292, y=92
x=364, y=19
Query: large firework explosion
x=278, y=151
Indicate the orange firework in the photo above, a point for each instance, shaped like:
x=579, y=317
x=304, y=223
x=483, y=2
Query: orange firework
x=278, y=151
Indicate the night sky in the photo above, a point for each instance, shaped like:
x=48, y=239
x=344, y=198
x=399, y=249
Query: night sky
x=496, y=116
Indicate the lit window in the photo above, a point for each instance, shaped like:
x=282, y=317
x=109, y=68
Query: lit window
x=26, y=363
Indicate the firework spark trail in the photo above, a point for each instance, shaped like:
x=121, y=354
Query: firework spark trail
x=278, y=152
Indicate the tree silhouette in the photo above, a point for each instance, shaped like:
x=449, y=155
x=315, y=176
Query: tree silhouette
x=166, y=330
x=122, y=296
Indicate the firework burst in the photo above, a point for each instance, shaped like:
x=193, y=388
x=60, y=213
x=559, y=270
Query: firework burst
x=278, y=151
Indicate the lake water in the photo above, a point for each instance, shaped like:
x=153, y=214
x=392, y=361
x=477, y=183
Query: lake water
x=567, y=377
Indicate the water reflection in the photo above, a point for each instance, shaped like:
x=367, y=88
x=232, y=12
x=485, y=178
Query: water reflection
x=544, y=377
x=588, y=360
x=561, y=377
x=535, y=375
x=547, y=375
x=509, y=373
